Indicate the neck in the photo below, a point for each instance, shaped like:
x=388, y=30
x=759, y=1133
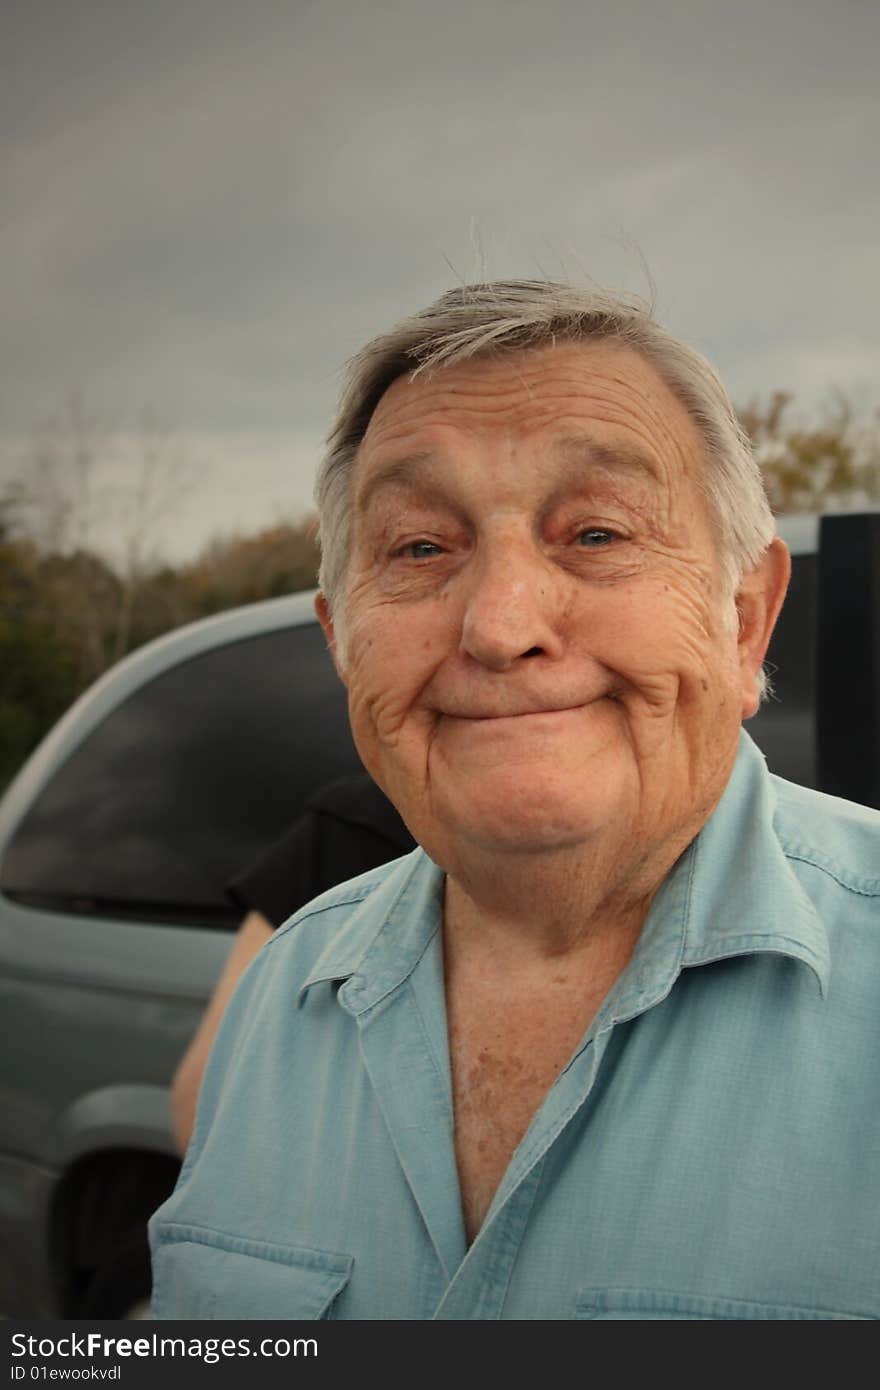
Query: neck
x=554, y=903
x=549, y=900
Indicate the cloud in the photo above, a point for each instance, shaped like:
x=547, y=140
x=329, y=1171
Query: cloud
x=211, y=205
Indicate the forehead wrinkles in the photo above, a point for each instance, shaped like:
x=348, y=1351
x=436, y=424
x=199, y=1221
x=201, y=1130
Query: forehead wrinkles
x=561, y=388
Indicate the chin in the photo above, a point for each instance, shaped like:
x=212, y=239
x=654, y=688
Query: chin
x=525, y=823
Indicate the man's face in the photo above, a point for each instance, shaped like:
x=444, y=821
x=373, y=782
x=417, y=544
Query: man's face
x=539, y=651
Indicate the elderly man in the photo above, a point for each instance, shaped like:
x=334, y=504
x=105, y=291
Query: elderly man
x=599, y=1048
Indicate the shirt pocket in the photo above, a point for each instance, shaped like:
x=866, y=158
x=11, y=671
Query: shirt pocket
x=204, y=1274
x=646, y=1305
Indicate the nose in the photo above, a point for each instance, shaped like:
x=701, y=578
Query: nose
x=513, y=605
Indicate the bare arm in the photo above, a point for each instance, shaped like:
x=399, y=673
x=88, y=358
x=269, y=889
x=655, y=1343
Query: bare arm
x=253, y=933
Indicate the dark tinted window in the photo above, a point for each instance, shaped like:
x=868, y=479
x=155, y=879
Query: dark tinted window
x=785, y=726
x=185, y=782
x=848, y=664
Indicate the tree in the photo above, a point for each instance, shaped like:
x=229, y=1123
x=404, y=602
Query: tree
x=827, y=466
x=37, y=676
x=59, y=484
x=79, y=477
x=242, y=569
x=161, y=475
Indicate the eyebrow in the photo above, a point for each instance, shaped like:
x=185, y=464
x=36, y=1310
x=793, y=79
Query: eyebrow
x=581, y=450
x=408, y=472
x=584, y=448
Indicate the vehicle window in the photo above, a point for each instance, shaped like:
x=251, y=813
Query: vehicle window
x=848, y=666
x=185, y=782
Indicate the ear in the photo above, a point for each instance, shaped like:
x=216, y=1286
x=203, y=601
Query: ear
x=758, y=602
x=325, y=618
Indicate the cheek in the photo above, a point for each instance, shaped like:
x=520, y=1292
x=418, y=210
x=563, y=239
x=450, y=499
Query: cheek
x=377, y=704
x=669, y=645
x=389, y=665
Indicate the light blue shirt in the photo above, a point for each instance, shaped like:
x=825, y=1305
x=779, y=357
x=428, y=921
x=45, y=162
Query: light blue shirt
x=712, y=1149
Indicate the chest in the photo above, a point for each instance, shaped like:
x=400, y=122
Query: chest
x=504, y=1060
x=689, y=1166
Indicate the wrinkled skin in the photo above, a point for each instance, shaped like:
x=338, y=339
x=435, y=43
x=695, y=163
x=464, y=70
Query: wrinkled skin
x=543, y=666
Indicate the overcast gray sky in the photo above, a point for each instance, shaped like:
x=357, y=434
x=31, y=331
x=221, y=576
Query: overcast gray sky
x=207, y=206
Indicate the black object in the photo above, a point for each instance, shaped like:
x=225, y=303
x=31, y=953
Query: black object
x=848, y=657
x=347, y=828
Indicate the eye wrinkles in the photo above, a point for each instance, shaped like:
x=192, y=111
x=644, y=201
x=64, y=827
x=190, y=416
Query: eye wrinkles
x=418, y=498
x=588, y=538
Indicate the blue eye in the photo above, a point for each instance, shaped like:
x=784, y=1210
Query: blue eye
x=595, y=536
x=421, y=550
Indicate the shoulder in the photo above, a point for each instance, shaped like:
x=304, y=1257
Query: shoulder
x=835, y=838
x=326, y=940
x=330, y=937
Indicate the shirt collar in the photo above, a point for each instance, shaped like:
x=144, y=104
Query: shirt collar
x=732, y=892
x=386, y=935
x=757, y=903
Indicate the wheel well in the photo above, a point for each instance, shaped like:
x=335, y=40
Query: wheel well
x=103, y=1201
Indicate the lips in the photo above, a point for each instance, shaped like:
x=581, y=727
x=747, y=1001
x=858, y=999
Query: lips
x=512, y=695
x=520, y=714
x=514, y=711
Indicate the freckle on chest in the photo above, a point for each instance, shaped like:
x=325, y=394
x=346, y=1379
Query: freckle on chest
x=488, y=1073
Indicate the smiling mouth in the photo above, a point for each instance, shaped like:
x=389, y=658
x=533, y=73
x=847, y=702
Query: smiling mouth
x=471, y=712
x=510, y=717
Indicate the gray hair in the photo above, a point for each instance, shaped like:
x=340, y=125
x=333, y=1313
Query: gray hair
x=513, y=316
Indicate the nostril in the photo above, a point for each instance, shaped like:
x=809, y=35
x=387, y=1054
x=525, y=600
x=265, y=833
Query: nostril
x=533, y=651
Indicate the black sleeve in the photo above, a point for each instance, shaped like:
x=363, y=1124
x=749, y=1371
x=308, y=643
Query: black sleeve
x=282, y=879
x=349, y=828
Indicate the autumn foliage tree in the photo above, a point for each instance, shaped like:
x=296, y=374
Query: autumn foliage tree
x=826, y=466
x=37, y=678
x=280, y=559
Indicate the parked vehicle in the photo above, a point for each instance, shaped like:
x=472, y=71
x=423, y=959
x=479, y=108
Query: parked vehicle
x=165, y=779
